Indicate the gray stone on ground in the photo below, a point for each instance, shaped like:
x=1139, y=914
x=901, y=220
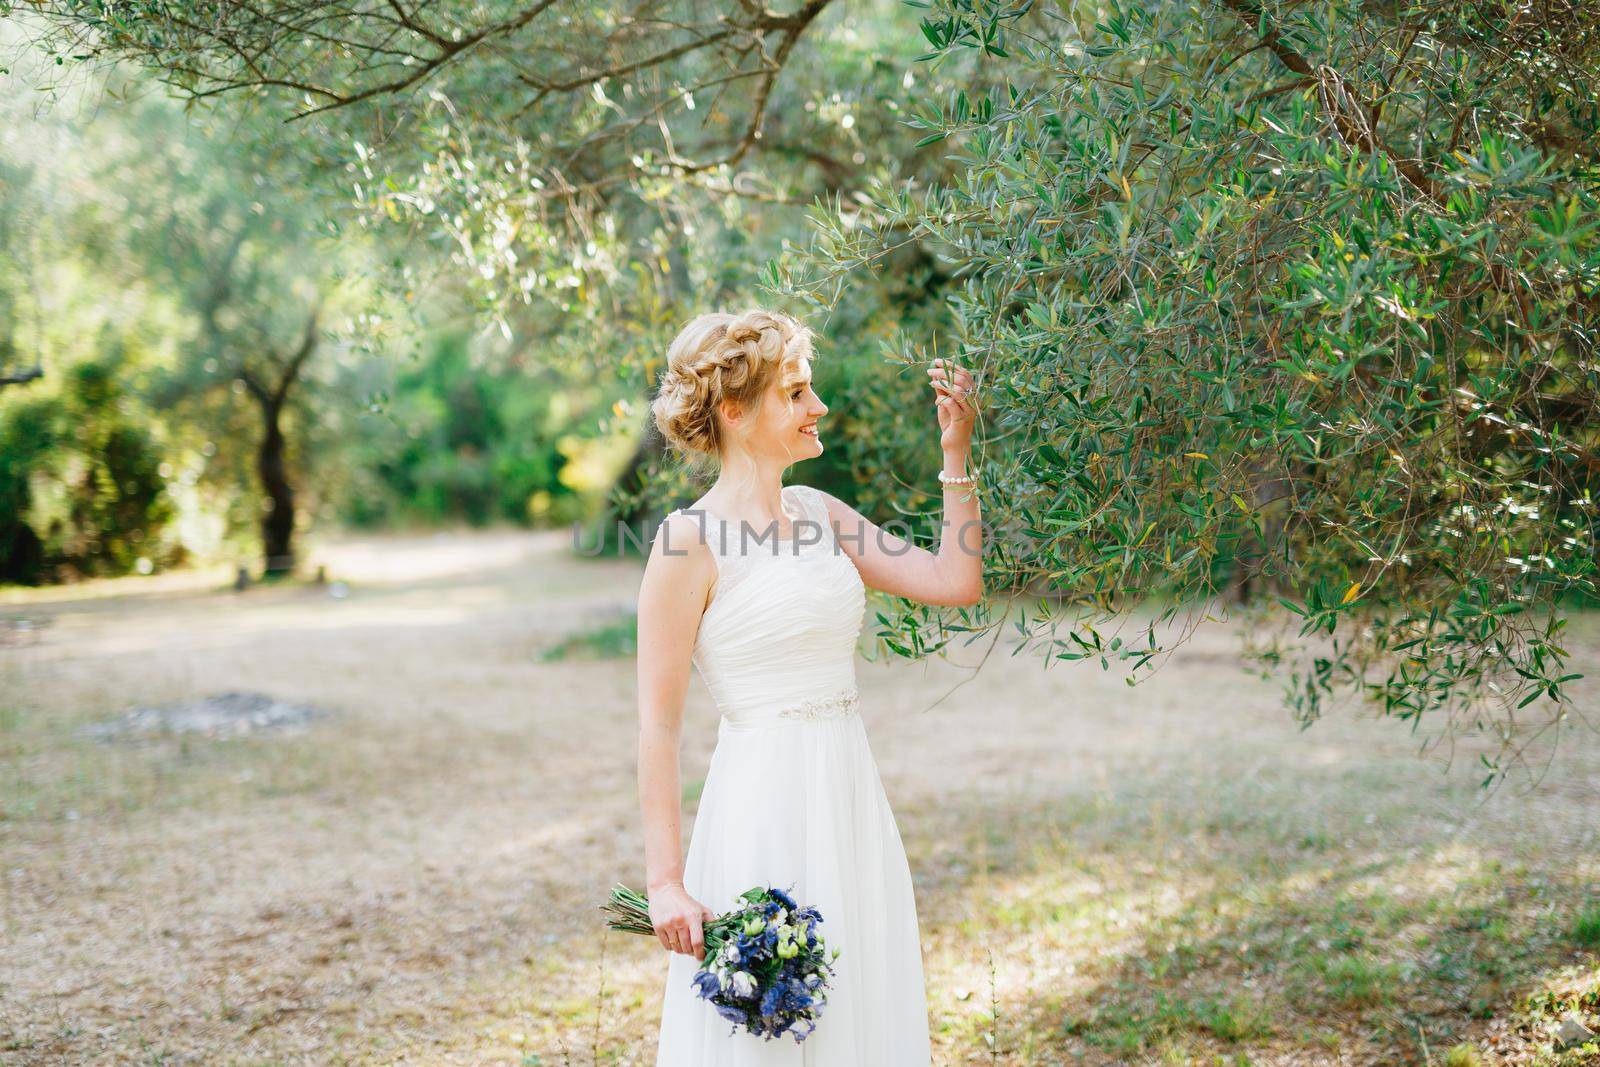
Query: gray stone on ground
x=220, y=715
x=1571, y=1032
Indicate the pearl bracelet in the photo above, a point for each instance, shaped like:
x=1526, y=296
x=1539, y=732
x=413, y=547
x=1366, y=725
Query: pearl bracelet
x=955, y=479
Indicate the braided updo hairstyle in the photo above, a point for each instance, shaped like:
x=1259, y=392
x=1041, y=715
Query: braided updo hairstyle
x=721, y=356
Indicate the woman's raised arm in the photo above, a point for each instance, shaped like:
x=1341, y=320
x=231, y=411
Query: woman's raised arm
x=953, y=575
x=888, y=562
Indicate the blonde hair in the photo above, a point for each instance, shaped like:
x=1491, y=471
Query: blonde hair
x=721, y=356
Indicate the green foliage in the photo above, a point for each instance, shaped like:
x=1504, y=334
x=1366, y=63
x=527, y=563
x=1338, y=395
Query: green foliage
x=611, y=640
x=1301, y=294
x=116, y=504
x=29, y=431
x=81, y=486
x=461, y=441
x=1586, y=927
x=162, y=281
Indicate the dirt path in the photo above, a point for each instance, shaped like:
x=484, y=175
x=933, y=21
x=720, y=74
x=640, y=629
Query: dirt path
x=414, y=879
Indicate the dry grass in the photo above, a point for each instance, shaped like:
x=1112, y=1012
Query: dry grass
x=1171, y=873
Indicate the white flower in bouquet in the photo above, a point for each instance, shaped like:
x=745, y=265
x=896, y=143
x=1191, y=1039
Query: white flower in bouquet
x=744, y=985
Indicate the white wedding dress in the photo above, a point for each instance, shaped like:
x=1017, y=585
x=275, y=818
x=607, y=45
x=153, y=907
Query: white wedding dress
x=792, y=798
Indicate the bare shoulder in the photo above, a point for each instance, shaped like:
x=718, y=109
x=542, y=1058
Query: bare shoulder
x=679, y=536
x=680, y=566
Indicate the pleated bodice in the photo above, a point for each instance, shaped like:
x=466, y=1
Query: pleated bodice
x=778, y=641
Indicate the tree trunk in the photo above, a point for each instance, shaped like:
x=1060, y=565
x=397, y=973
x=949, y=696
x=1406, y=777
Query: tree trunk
x=277, y=527
x=272, y=467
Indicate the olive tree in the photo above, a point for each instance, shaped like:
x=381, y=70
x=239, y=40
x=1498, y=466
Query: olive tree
x=1301, y=296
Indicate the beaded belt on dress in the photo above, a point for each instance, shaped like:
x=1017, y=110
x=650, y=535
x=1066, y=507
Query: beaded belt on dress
x=838, y=705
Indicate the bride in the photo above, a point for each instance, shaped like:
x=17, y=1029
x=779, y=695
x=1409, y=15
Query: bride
x=761, y=586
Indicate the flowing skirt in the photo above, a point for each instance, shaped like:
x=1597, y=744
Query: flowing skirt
x=801, y=804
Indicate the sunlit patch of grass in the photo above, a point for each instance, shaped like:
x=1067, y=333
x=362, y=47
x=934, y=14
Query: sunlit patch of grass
x=1356, y=979
x=1462, y=1055
x=610, y=640
x=1586, y=927
x=1137, y=1019
x=1062, y=916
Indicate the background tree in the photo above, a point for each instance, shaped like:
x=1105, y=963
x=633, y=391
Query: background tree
x=233, y=247
x=169, y=284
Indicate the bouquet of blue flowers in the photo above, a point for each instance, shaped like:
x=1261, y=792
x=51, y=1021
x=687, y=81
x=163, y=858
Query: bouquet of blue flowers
x=766, y=968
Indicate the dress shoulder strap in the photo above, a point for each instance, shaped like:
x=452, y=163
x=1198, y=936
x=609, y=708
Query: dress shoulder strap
x=808, y=503
x=811, y=505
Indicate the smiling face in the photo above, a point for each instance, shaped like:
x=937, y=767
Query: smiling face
x=785, y=427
